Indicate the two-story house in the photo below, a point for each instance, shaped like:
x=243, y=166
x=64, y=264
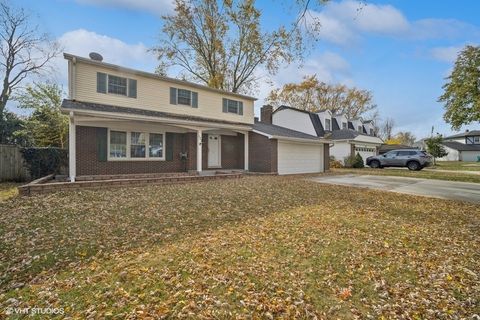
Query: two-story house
x=125, y=121
x=462, y=147
x=349, y=136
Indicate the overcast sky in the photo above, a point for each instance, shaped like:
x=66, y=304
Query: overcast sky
x=401, y=50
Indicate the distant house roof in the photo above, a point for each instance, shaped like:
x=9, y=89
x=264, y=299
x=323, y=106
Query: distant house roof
x=277, y=131
x=464, y=134
x=461, y=146
x=335, y=125
x=344, y=134
x=317, y=124
x=337, y=132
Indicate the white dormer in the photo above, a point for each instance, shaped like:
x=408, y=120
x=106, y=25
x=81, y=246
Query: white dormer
x=369, y=127
x=326, y=119
x=342, y=121
x=357, y=124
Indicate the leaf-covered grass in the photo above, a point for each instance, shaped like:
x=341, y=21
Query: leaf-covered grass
x=258, y=247
x=457, y=165
x=424, y=174
x=8, y=190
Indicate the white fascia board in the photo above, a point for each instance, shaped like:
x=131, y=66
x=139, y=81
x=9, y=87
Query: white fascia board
x=319, y=141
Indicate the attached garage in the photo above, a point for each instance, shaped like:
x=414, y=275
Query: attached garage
x=458, y=151
x=294, y=157
x=284, y=151
x=365, y=151
x=470, y=155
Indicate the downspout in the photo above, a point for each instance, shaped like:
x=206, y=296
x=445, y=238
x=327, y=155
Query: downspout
x=73, y=81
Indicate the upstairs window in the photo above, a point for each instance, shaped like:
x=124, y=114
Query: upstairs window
x=232, y=106
x=372, y=132
x=117, y=85
x=107, y=83
x=328, y=124
x=344, y=125
x=184, y=97
x=360, y=129
x=476, y=139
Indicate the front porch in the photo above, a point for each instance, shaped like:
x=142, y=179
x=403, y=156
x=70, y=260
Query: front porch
x=107, y=145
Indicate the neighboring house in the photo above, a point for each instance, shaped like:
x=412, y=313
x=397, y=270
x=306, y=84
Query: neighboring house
x=462, y=147
x=349, y=136
x=125, y=121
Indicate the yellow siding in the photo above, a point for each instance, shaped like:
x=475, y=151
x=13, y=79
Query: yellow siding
x=154, y=94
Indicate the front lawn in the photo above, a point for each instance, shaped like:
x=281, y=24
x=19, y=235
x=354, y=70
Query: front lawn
x=424, y=174
x=457, y=165
x=258, y=247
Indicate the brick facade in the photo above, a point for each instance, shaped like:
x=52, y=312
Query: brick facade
x=88, y=162
x=262, y=152
x=232, y=152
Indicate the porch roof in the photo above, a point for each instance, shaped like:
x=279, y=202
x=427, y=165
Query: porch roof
x=73, y=105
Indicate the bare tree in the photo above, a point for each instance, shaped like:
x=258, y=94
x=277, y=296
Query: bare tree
x=314, y=95
x=222, y=43
x=24, y=50
x=386, y=130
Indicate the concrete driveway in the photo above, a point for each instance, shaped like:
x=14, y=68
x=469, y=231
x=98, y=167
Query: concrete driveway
x=463, y=191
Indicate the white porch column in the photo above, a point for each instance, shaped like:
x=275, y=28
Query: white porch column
x=245, y=150
x=199, y=150
x=72, y=164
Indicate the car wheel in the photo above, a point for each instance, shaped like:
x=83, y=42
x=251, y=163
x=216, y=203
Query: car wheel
x=413, y=166
x=375, y=164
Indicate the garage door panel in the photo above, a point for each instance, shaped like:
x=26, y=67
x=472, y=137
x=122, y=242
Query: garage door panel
x=299, y=158
x=365, y=151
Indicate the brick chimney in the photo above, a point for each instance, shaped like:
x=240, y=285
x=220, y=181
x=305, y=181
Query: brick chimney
x=266, y=114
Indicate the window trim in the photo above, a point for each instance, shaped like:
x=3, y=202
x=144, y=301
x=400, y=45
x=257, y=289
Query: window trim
x=190, y=98
x=127, y=87
x=147, y=145
x=239, y=106
x=329, y=124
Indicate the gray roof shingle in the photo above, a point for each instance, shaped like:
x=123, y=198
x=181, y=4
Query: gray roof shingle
x=274, y=130
x=461, y=146
x=465, y=134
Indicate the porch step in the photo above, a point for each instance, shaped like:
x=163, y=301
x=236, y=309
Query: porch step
x=40, y=188
x=132, y=176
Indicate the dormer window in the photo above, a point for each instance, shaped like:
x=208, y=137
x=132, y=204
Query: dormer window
x=371, y=132
x=359, y=128
x=328, y=124
x=344, y=125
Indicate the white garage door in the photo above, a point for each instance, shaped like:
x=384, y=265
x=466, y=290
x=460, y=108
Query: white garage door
x=299, y=158
x=365, y=152
x=470, y=155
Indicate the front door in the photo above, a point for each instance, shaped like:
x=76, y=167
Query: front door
x=214, y=150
